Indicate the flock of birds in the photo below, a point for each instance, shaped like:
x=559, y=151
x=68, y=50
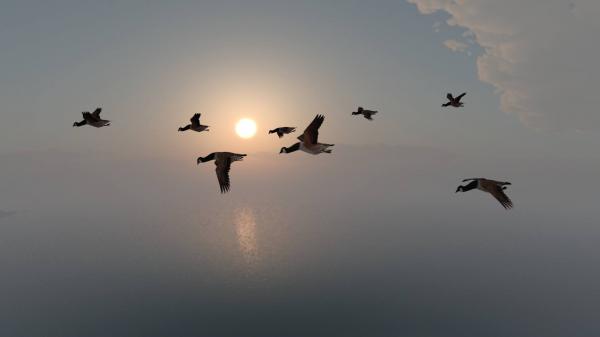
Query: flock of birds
x=308, y=142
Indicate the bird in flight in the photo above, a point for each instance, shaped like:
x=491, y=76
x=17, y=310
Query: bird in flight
x=309, y=139
x=195, y=125
x=282, y=131
x=92, y=119
x=493, y=187
x=223, y=162
x=454, y=101
x=366, y=113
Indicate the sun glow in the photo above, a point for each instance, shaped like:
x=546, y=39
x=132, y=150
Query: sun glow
x=245, y=128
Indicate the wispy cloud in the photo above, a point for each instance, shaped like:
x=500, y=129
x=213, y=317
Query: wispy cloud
x=541, y=57
x=455, y=45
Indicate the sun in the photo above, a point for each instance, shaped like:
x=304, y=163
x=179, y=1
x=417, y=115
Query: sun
x=245, y=128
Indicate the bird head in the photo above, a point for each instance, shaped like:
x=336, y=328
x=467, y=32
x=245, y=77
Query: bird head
x=283, y=150
x=459, y=189
x=200, y=160
x=271, y=131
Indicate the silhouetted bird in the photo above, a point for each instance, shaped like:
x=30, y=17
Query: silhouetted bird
x=195, y=125
x=282, y=131
x=309, y=139
x=366, y=113
x=92, y=119
x=454, y=101
x=493, y=187
x=223, y=162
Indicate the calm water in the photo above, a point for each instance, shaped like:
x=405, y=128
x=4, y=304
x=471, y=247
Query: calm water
x=153, y=253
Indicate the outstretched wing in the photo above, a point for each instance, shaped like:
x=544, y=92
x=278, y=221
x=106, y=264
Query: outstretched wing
x=449, y=96
x=288, y=129
x=88, y=117
x=499, y=194
x=311, y=134
x=195, y=120
x=500, y=183
x=460, y=96
x=97, y=112
x=223, y=167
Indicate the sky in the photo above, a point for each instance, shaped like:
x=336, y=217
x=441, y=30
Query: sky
x=116, y=231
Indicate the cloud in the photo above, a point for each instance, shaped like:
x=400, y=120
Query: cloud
x=540, y=56
x=456, y=46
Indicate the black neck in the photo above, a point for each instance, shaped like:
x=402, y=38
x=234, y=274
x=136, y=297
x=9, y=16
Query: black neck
x=207, y=158
x=470, y=186
x=293, y=148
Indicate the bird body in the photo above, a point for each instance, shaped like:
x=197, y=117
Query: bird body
x=366, y=113
x=92, y=119
x=195, y=125
x=282, y=130
x=223, y=162
x=309, y=139
x=454, y=101
x=493, y=187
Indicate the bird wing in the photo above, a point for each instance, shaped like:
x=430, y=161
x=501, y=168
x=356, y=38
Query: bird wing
x=499, y=194
x=311, y=134
x=288, y=129
x=499, y=182
x=195, y=120
x=97, y=112
x=88, y=117
x=222, y=170
x=460, y=96
x=449, y=96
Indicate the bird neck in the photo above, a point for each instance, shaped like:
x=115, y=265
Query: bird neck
x=292, y=148
x=207, y=158
x=470, y=186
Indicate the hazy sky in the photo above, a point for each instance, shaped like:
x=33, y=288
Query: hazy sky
x=117, y=232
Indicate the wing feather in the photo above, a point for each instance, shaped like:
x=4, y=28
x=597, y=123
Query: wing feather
x=195, y=120
x=97, y=112
x=223, y=167
x=311, y=134
x=499, y=194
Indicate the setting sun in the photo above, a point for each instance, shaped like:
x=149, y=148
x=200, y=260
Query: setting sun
x=245, y=128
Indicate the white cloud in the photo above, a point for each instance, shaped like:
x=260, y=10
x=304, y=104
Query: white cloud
x=542, y=56
x=456, y=45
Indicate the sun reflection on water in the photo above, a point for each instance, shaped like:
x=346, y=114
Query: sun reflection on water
x=245, y=228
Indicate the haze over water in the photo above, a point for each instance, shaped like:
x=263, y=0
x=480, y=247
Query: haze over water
x=117, y=232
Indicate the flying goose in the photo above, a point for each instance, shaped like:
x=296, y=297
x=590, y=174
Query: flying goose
x=282, y=131
x=454, y=101
x=195, y=125
x=92, y=119
x=223, y=162
x=366, y=113
x=309, y=139
x=493, y=187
